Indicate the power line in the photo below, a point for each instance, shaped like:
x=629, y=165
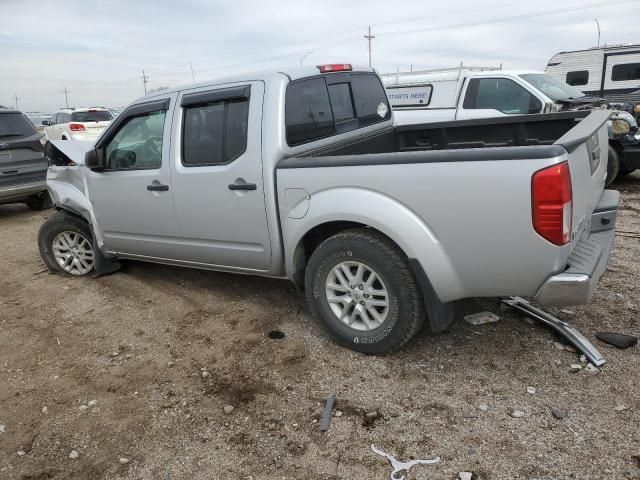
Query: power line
x=504, y=19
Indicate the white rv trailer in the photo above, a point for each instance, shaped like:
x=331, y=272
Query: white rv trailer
x=611, y=72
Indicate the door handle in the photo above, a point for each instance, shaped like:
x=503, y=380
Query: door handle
x=157, y=187
x=242, y=186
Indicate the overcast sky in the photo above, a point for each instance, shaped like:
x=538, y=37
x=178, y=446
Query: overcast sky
x=98, y=48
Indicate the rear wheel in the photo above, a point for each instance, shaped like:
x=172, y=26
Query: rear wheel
x=360, y=285
x=613, y=166
x=66, y=245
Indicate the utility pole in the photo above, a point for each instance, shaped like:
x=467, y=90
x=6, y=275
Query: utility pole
x=15, y=97
x=145, y=79
x=369, y=37
x=66, y=95
x=193, y=77
x=598, y=25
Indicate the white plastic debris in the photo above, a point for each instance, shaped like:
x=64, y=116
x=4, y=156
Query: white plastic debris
x=481, y=318
x=531, y=390
x=399, y=466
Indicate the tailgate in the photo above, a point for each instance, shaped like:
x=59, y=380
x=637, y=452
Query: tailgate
x=587, y=145
x=95, y=128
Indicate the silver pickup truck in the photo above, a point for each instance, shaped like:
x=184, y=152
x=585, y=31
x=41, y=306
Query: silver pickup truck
x=301, y=174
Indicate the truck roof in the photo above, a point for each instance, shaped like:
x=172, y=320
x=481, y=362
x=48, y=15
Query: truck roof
x=291, y=73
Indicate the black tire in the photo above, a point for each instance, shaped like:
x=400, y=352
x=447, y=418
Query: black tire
x=624, y=172
x=406, y=312
x=57, y=223
x=613, y=166
x=39, y=202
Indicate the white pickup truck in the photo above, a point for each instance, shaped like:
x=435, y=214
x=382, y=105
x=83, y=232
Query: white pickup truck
x=301, y=174
x=463, y=94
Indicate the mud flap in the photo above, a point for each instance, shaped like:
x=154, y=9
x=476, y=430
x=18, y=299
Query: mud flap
x=440, y=314
x=101, y=264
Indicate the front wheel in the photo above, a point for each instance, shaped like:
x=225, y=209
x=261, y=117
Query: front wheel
x=66, y=245
x=359, y=284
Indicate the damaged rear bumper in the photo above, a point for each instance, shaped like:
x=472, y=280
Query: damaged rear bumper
x=588, y=259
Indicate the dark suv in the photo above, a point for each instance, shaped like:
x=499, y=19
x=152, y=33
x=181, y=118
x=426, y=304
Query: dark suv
x=23, y=166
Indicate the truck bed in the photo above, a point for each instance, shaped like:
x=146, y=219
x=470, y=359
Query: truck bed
x=515, y=131
x=466, y=188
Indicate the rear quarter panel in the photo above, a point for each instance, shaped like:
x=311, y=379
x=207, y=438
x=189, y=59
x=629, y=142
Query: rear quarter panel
x=468, y=223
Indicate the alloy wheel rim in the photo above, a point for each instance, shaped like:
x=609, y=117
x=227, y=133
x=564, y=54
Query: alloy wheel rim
x=73, y=252
x=357, y=296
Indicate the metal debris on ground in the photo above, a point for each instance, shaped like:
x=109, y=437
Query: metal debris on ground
x=399, y=466
x=563, y=328
x=618, y=340
x=325, y=421
x=481, y=318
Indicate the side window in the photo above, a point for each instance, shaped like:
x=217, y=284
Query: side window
x=308, y=113
x=580, y=77
x=64, y=117
x=341, y=104
x=500, y=94
x=215, y=133
x=52, y=120
x=625, y=72
x=138, y=143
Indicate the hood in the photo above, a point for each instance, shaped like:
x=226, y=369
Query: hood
x=75, y=150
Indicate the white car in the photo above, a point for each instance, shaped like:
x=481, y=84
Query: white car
x=77, y=123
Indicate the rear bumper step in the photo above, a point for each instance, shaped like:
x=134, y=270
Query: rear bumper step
x=588, y=259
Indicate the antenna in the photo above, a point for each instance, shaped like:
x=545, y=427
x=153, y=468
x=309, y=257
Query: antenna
x=145, y=80
x=369, y=37
x=598, y=25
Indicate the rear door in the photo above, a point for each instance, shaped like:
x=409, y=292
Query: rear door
x=132, y=196
x=486, y=97
x=217, y=177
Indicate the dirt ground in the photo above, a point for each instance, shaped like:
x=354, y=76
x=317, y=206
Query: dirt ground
x=162, y=350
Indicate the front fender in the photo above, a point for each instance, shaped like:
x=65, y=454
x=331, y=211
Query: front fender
x=377, y=210
x=66, y=186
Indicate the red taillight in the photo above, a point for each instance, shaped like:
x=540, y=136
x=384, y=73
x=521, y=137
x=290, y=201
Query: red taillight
x=551, y=200
x=335, y=67
x=76, y=127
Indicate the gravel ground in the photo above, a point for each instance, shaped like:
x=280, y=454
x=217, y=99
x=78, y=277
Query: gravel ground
x=127, y=377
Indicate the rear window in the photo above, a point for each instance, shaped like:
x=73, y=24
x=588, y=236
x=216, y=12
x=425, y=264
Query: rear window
x=15, y=125
x=92, y=116
x=322, y=106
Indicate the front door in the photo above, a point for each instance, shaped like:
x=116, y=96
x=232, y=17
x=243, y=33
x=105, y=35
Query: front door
x=496, y=97
x=132, y=195
x=217, y=177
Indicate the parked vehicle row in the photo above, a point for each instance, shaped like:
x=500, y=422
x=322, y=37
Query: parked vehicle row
x=459, y=94
x=302, y=174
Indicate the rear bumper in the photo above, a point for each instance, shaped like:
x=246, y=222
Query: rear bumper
x=588, y=260
x=18, y=193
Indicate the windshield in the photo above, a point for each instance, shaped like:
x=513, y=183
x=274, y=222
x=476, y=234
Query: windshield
x=552, y=87
x=92, y=116
x=15, y=125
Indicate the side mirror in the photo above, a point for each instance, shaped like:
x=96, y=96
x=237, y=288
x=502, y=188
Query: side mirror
x=45, y=123
x=92, y=160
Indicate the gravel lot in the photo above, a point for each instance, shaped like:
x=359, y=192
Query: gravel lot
x=131, y=373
